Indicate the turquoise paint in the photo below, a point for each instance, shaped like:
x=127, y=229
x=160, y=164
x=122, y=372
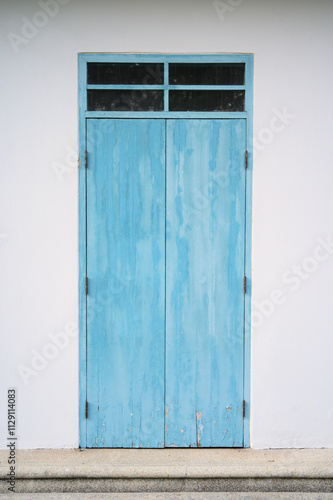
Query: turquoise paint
x=82, y=253
x=165, y=86
x=125, y=265
x=83, y=115
x=204, y=275
x=166, y=114
x=169, y=58
x=249, y=76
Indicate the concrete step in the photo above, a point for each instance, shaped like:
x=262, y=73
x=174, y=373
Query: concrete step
x=170, y=496
x=174, y=471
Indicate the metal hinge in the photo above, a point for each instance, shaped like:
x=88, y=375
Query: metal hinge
x=86, y=285
x=244, y=284
x=78, y=162
x=85, y=158
x=86, y=409
x=246, y=157
x=243, y=408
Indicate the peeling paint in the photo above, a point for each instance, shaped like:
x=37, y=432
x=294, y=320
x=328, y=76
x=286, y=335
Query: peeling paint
x=128, y=191
x=197, y=244
x=199, y=427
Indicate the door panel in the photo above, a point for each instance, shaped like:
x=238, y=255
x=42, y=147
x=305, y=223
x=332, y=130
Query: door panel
x=126, y=270
x=165, y=304
x=205, y=233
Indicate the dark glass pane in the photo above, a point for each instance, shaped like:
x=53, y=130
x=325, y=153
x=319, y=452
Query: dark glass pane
x=206, y=100
x=206, y=74
x=125, y=100
x=125, y=73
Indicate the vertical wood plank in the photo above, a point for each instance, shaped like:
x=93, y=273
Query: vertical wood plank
x=126, y=266
x=204, y=282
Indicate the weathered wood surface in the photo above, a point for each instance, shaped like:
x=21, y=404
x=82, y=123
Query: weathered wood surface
x=204, y=282
x=165, y=331
x=126, y=271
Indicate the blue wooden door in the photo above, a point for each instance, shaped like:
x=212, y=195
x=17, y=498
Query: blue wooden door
x=126, y=284
x=165, y=261
x=205, y=234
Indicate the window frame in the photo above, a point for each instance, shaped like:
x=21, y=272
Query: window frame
x=166, y=59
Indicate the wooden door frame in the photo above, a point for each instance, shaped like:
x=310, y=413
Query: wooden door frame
x=83, y=59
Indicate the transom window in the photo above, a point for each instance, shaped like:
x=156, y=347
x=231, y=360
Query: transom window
x=168, y=86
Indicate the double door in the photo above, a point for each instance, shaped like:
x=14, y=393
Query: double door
x=165, y=263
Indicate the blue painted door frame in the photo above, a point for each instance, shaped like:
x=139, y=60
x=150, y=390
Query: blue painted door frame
x=165, y=245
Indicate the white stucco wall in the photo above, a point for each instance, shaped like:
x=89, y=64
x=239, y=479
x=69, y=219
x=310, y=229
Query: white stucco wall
x=292, y=369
